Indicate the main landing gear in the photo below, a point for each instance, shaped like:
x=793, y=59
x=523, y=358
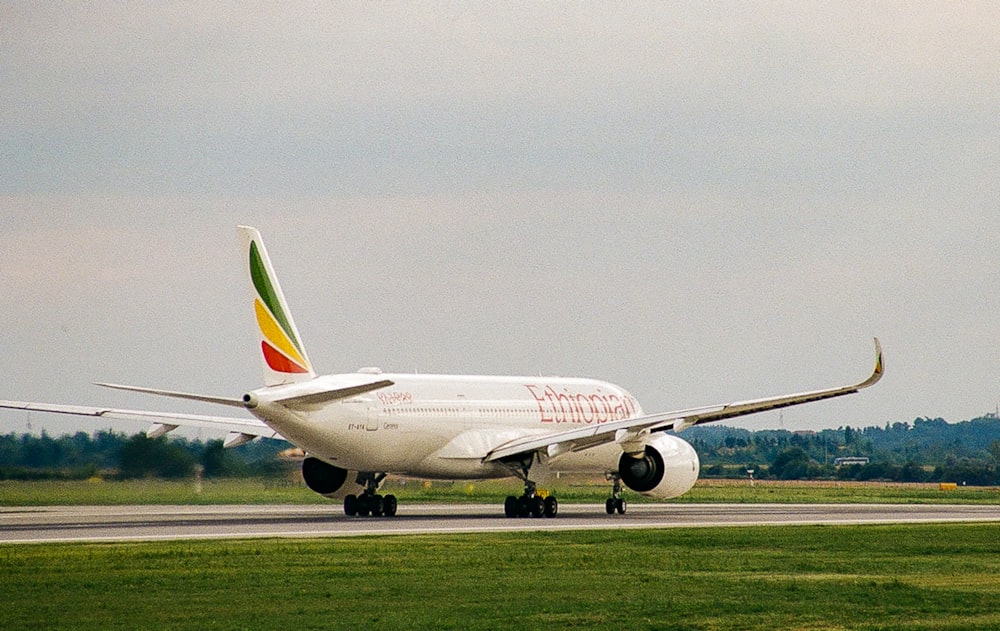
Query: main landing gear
x=616, y=502
x=530, y=504
x=370, y=502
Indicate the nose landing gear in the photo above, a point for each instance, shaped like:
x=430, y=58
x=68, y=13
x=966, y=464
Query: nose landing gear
x=616, y=502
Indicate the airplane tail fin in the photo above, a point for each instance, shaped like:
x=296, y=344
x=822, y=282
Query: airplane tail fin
x=283, y=357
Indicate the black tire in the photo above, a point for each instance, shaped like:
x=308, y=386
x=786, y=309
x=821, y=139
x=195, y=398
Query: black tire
x=376, y=505
x=551, y=506
x=351, y=505
x=537, y=506
x=621, y=505
x=609, y=506
x=389, y=505
x=510, y=507
x=523, y=506
x=363, y=506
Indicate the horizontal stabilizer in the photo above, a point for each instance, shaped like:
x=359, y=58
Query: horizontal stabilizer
x=204, y=398
x=327, y=395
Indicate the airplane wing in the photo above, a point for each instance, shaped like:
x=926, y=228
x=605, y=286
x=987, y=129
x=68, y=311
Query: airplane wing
x=633, y=429
x=240, y=430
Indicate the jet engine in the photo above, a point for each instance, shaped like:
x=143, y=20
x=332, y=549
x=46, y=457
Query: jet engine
x=328, y=480
x=667, y=468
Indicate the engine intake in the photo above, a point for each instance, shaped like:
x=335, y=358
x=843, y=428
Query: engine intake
x=326, y=479
x=668, y=467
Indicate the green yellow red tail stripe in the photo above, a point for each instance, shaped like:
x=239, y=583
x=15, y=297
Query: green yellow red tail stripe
x=281, y=349
x=277, y=341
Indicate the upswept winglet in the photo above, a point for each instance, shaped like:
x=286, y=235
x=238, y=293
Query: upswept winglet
x=879, y=368
x=283, y=357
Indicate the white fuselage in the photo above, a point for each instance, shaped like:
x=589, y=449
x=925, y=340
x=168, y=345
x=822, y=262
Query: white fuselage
x=443, y=426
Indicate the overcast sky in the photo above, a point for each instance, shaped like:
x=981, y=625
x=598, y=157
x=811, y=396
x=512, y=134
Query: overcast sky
x=701, y=202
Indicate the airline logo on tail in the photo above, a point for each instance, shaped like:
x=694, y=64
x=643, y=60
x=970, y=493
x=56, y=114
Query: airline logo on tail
x=280, y=344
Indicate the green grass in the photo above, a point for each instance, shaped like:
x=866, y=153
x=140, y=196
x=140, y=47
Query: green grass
x=836, y=493
x=114, y=493
x=810, y=577
x=284, y=491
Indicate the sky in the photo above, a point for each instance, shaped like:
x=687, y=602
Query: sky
x=701, y=202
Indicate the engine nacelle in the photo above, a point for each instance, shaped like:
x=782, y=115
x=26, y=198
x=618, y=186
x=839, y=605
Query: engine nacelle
x=668, y=468
x=328, y=480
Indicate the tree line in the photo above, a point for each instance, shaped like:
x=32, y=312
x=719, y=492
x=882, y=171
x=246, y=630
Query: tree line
x=117, y=455
x=926, y=450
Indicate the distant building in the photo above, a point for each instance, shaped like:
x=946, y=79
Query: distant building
x=848, y=460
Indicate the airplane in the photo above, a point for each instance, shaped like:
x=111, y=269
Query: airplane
x=357, y=428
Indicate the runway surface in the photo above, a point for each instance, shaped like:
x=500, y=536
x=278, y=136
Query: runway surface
x=152, y=523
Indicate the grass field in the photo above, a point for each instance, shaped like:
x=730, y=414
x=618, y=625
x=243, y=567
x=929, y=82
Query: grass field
x=281, y=491
x=811, y=577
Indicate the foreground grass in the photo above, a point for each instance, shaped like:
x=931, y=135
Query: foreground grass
x=813, y=577
x=282, y=491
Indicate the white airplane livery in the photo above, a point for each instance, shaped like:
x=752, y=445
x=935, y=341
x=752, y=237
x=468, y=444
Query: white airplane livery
x=358, y=427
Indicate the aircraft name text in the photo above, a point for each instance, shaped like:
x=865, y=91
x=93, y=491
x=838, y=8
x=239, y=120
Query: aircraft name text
x=395, y=398
x=580, y=407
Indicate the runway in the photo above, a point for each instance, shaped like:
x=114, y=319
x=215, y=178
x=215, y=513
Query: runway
x=158, y=523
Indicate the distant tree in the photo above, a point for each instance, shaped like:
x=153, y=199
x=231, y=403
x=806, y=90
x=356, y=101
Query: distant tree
x=912, y=473
x=790, y=464
x=221, y=462
x=142, y=457
x=994, y=450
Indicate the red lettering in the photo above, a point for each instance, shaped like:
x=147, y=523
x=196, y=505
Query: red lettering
x=573, y=406
x=632, y=406
x=565, y=406
x=540, y=400
x=549, y=396
x=600, y=408
x=583, y=405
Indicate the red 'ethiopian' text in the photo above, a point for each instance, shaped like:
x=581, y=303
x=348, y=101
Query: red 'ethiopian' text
x=580, y=407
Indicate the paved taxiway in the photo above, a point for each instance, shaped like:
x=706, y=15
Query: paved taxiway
x=150, y=523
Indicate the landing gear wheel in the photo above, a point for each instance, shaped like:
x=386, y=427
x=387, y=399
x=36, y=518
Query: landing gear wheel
x=537, y=506
x=510, y=506
x=370, y=502
x=351, y=505
x=551, y=508
x=523, y=507
x=363, y=506
x=375, y=505
x=389, y=505
x=616, y=502
x=531, y=502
